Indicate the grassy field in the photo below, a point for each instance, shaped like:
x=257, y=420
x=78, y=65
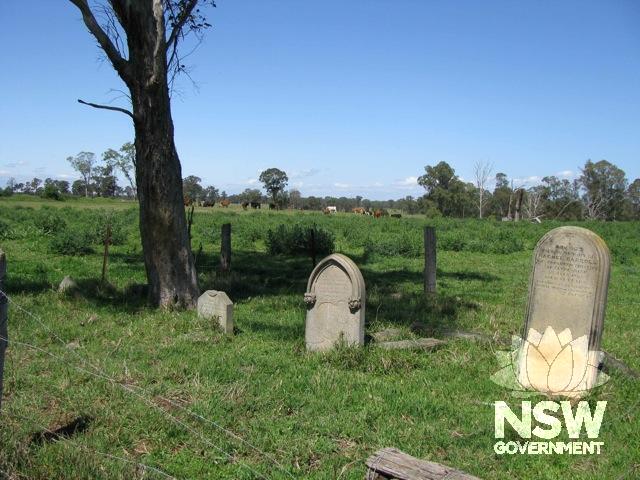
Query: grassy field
x=268, y=409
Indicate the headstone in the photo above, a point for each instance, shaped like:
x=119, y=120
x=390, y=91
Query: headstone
x=335, y=301
x=560, y=353
x=67, y=285
x=214, y=304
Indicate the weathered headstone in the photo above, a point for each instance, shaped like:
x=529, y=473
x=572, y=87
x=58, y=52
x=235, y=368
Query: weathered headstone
x=560, y=353
x=67, y=285
x=335, y=301
x=214, y=304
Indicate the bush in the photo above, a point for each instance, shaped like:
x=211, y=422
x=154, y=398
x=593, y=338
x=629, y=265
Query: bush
x=49, y=221
x=296, y=239
x=72, y=241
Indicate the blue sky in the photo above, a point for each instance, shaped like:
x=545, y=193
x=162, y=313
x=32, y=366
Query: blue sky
x=348, y=97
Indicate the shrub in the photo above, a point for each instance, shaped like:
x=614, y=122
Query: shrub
x=49, y=221
x=72, y=241
x=296, y=239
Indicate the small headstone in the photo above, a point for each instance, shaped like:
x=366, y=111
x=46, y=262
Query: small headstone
x=214, y=304
x=560, y=353
x=335, y=301
x=67, y=285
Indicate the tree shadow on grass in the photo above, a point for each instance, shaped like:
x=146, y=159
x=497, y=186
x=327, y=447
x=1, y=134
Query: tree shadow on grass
x=256, y=274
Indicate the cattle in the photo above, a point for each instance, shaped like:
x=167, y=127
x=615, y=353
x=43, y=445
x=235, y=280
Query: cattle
x=396, y=215
x=358, y=210
x=187, y=200
x=225, y=203
x=377, y=213
x=272, y=206
x=245, y=205
x=208, y=203
x=331, y=209
x=255, y=205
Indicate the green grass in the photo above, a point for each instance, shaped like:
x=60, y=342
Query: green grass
x=318, y=415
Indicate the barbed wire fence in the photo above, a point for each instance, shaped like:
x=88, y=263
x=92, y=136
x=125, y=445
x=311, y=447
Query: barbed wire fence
x=145, y=396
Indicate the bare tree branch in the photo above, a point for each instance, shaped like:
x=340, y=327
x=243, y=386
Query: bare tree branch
x=176, y=31
x=107, y=107
x=120, y=64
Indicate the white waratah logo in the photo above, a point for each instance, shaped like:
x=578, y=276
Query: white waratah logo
x=554, y=364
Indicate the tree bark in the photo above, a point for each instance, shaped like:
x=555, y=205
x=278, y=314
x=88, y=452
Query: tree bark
x=163, y=227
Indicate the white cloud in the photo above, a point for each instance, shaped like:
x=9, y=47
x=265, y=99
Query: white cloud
x=252, y=181
x=565, y=174
x=341, y=185
x=305, y=173
x=408, y=182
x=533, y=179
x=64, y=175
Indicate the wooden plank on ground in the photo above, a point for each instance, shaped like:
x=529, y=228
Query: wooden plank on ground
x=391, y=463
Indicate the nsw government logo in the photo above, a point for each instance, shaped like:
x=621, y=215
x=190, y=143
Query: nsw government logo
x=563, y=369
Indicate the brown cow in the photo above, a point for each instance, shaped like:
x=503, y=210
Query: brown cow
x=358, y=210
x=245, y=205
x=377, y=213
x=187, y=200
x=225, y=203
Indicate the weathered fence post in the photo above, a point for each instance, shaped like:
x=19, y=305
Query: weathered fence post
x=312, y=246
x=105, y=259
x=225, y=248
x=429, y=260
x=3, y=318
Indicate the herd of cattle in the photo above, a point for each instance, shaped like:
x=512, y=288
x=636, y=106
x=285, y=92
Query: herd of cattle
x=377, y=213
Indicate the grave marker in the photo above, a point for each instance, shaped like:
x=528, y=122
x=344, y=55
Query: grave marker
x=335, y=301
x=560, y=353
x=214, y=304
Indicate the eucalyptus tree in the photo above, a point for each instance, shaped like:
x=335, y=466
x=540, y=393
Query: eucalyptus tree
x=142, y=39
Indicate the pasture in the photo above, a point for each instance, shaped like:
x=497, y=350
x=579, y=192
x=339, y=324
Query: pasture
x=265, y=407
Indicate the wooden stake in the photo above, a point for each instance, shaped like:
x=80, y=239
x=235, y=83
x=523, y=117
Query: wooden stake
x=429, y=260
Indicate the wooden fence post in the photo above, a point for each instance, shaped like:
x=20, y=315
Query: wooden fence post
x=429, y=260
x=105, y=259
x=225, y=248
x=312, y=246
x=3, y=318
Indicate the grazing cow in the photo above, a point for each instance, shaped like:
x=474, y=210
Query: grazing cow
x=245, y=205
x=358, y=210
x=255, y=205
x=396, y=215
x=187, y=200
x=368, y=212
x=332, y=209
x=272, y=206
x=225, y=203
x=377, y=213
x=208, y=203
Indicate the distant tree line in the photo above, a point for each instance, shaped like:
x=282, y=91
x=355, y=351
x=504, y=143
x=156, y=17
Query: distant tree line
x=601, y=191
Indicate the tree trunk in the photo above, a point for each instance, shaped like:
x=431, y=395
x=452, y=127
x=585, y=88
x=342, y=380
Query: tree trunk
x=163, y=227
x=168, y=260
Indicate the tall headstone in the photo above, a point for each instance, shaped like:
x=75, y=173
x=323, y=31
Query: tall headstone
x=215, y=305
x=560, y=353
x=335, y=301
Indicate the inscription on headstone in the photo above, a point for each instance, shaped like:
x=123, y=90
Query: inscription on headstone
x=565, y=314
x=214, y=304
x=335, y=301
